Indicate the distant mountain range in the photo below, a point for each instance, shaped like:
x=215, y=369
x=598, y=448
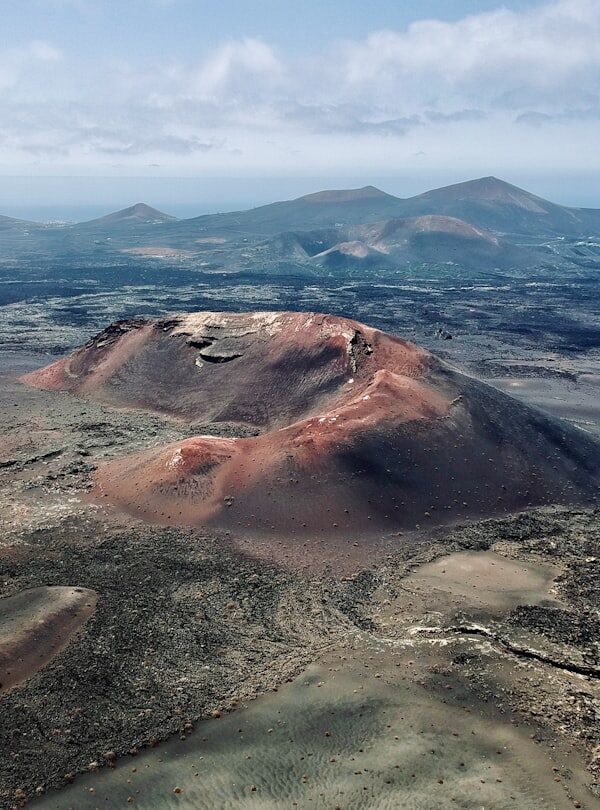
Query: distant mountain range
x=485, y=203
x=485, y=222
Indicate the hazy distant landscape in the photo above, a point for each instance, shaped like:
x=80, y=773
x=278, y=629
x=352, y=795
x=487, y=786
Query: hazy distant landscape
x=515, y=286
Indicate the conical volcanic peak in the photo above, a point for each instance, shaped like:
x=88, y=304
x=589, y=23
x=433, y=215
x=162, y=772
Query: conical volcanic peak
x=361, y=433
x=138, y=214
x=489, y=189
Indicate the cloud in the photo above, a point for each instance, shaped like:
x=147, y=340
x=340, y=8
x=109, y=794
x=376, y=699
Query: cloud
x=538, y=119
x=42, y=52
x=432, y=89
x=458, y=115
x=170, y=144
x=238, y=67
x=71, y=128
x=16, y=62
x=551, y=50
x=348, y=118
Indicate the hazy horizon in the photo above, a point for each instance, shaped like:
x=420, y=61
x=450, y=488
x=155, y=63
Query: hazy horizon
x=46, y=199
x=417, y=94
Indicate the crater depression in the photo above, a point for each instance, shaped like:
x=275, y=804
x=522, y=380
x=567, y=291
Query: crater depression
x=358, y=433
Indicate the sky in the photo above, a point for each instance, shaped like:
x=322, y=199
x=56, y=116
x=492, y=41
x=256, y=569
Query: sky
x=219, y=104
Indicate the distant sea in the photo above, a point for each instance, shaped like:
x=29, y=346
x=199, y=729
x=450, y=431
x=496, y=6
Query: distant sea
x=82, y=213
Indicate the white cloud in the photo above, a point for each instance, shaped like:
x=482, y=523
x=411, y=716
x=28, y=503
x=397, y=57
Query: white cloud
x=16, y=62
x=43, y=51
x=457, y=91
x=488, y=57
x=243, y=66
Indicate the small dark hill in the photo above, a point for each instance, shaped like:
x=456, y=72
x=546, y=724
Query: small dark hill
x=138, y=214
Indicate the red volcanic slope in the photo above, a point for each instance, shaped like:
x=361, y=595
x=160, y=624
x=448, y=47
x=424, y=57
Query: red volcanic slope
x=362, y=433
x=402, y=228
x=261, y=369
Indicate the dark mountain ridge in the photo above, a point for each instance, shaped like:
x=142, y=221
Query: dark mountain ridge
x=481, y=224
x=499, y=206
x=322, y=209
x=487, y=203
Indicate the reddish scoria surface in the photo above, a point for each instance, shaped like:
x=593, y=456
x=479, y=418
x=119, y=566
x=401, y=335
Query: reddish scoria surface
x=261, y=369
x=362, y=433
